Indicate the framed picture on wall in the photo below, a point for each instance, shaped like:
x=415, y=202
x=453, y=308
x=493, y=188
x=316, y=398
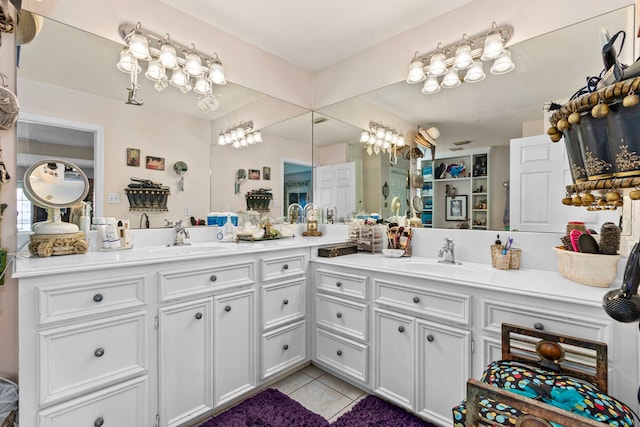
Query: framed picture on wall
x=266, y=173
x=156, y=163
x=254, y=174
x=456, y=208
x=133, y=157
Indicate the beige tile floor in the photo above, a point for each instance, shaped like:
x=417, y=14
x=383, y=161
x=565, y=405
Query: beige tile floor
x=320, y=392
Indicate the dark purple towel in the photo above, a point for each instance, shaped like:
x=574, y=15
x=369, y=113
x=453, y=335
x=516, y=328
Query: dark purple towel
x=372, y=411
x=269, y=408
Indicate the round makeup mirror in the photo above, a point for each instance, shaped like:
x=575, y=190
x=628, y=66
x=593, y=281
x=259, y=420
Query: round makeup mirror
x=54, y=184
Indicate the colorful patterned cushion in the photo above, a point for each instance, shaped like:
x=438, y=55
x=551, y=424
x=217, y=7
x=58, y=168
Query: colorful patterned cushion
x=571, y=394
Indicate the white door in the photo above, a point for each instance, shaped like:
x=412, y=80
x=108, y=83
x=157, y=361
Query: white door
x=185, y=361
x=539, y=175
x=444, y=365
x=537, y=184
x=393, y=358
x=234, y=345
x=336, y=185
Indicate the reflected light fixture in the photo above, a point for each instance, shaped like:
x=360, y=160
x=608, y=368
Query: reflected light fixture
x=382, y=138
x=240, y=135
x=467, y=54
x=190, y=69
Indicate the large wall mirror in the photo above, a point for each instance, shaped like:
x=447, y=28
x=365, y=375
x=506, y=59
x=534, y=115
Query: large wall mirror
x=72, y=100
x=491, y=113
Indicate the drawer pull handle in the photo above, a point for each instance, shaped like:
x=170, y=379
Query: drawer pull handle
x=338, y=284
x=416, y=299
x=285, y=302
x=98, y=297
x=99, y=352
x=285, y=267
x=400, y=329
x=213, y=278
x=285, y=347
x=430, y=338
x=198, y=315
x=99, y=422
x=227, y=308
x=539, y=326
x=338, y=315
x=339, y=352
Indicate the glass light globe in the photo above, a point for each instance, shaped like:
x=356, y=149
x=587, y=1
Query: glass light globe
x=416, y=72
x=431, y=85
x=463, y=59
x=437, y=67
x=168, y=57
x=451, y=79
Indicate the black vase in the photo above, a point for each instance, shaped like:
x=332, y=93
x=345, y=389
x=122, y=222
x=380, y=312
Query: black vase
x=623, y=128
x=594, y=145
x=574, y=154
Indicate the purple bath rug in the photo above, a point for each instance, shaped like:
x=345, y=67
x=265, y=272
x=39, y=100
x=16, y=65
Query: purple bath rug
x=372, y=411
x=269, y=408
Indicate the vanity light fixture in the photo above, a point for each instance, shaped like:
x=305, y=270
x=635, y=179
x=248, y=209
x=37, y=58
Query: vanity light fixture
x=240, y=135
x=189, y=69
x=467, y=54
x=381, y=138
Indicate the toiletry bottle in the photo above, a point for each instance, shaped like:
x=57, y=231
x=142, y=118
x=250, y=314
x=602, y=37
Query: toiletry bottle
x=85, y=220
x=102, y=235
x=126, y=240
x=112, y=234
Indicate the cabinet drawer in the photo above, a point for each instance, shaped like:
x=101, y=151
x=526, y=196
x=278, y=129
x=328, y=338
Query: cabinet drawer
x=342, y=354
x=79, y=358
x=424, y=302
x=81, y=299
x=283, y=348
x=342, y=284
x=282, y=302
x=283, y=267
x=124, y=405
x=184, y=283
x=549, y=320
x=346, y=317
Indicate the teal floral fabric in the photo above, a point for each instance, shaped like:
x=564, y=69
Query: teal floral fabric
x=571, y=394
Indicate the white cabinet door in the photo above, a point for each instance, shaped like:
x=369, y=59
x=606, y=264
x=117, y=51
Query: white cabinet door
x=394, y=357
x=185, y=361
x=234, y=344
x=444, y=365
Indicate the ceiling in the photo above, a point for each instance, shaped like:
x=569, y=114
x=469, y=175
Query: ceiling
x=486, y=113
x=315, y=35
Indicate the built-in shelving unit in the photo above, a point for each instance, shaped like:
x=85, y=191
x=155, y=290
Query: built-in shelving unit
x=457, y=182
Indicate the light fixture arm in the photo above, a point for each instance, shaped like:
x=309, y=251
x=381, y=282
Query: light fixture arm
x=476, y=42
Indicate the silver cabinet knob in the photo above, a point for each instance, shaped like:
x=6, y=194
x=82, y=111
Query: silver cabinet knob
x=400, y=329
x=227, y=308
x=339, y=352
x=99, y=352
x=198, y=315
x=285, y=302
x=98, y=297
x=213, y=278
x=338, y=284
x=285, y=347
x=539, y=326
x=285, y=267
x=430, y=338
x=98, y=422
x=338, y=315
x=416, y=299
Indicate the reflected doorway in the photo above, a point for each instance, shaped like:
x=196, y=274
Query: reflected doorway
x=297, y=184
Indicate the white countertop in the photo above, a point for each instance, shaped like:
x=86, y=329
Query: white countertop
x=539, y=283
x=27, y=265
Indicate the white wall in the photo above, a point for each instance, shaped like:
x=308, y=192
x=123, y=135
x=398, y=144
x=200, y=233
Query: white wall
x=272, y=152
x=155, y=132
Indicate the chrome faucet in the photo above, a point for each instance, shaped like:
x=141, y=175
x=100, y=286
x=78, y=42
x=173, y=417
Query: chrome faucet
x=447, y=252
x=181, y=234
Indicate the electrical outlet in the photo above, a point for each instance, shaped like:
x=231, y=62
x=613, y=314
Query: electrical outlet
x=113, y=198
x=186, y=212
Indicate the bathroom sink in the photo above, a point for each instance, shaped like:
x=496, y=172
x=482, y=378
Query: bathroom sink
x=192, y=249
x=435, y=267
